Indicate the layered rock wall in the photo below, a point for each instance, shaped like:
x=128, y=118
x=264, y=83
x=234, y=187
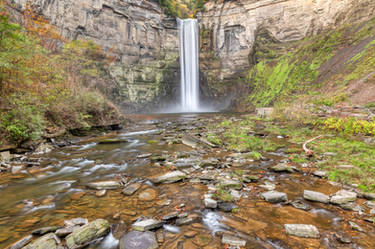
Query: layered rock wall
x=230, y=29
x=143, y=40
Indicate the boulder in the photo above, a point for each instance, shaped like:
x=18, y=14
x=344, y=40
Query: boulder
x=87, y=233
x=169, y=177
x=343, y=196
x=274, y=196
x=302, y=230
x=48, y=241
x=139, y=240
x=315, y=196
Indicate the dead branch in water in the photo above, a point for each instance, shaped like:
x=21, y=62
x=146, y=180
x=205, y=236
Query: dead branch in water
x=309, y=152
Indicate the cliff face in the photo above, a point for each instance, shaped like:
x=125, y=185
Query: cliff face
x=141, y=38
x=232, y=31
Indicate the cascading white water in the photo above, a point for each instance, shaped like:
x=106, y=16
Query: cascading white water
x=189, y=64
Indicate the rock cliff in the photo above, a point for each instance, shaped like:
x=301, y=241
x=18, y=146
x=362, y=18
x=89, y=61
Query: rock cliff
x=231, y=31
x=137, y=33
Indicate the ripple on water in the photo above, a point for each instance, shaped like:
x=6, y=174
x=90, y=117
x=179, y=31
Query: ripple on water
x=87, y=146
x=109, y=242
x=212, y=221
x=171, y=229
x=137, y=133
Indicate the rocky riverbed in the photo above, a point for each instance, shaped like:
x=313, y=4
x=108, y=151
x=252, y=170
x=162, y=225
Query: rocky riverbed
x=167, y=182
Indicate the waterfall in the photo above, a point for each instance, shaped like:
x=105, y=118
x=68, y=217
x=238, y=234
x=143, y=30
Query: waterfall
x=189, y=64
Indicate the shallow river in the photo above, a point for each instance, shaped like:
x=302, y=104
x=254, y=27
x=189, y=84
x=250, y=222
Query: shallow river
x=48, y=194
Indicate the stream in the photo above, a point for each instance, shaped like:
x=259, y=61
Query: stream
x=56, y=189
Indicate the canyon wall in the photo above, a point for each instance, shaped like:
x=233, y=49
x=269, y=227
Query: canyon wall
x=137, y=33
x=232, y=31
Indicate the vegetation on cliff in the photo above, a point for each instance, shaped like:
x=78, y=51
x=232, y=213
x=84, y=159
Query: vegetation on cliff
x=182, y=8
x=327, y=69
x=44, y=89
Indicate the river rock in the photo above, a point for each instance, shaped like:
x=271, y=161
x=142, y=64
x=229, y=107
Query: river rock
x=147, y=195
x=48, y=241
x=302, y=230
x=44, y=230
x=5, y=156
x=76, y=222
x=131, y=188
x=101, y=193
x=355, y=226
x=191, y=141
x=370, y=204
x=282, y=167
x=320, y=173
x=62, y=232
x=227, y=206
x=230, y=183
x=274, y=196
x=232, y=241
x=315, y=196
x=139, y=240
x=169, y=177
x=301, y=205
x=87, y=233
x=17, y=169
x=369, y=196
x=104, y=185
x=145, y=225
x=21, y=243
x=343, y=196
x=352, y=206
x=210, y=203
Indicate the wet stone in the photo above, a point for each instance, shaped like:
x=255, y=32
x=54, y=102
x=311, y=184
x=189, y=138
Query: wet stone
x=233, y=241
x=302, y=230
x=352, y=206
x=87, y=233
x=101, y=193
x=104, y=185
x=274, y=196
x=62, y=232
x=355, y=226
x=187, y=220
x=170, y=216
x=230, y=183
x=227, y=206
x=21, y=243
x=370, y=204
x=342, y=238
x=145, y=225
x=301, y=205
x=76, y=221
x=131, y=188
x=210, y=203
x=44, y=230
x=139, y=240
x=315, y=196
x=320, y=173
x=147, y=195
x=282, y=167
x=343, y=196
x=169, y=177
x=369, y=196
x=48, y=241
x=268, y=186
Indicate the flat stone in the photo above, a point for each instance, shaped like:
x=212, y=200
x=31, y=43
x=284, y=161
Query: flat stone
x=104, y=185
x=100, y=193
x=169, y=177
x=369, y=196
x=87, y=233
x=21, y=243
x=235, y=194
x=342, y=238
x=302, y=230
x=320, y=173
x=343, y=196
x=282, y=167
x=187, y=220
x=227, y=206
x=352, y=206
x=5, y=156
x=131, y=188
x=44, y=230
x=17, y=169
x=231, y=183
x=192, y=142
x=274, y=196
x=62, y=232
x=147, y=195
x=355, y=226
x=144, y=155
x=315, y=196
x=170, y=216
x=190, y=234
x=210, y=203
x=232, y=241
x=145, y=225
x=48, y=241
x=301, y=205
x=76, y=222
x=370, y=204
x=138, y=240
x=268, y=186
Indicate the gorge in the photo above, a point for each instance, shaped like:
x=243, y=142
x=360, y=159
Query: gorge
x=187, y=124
